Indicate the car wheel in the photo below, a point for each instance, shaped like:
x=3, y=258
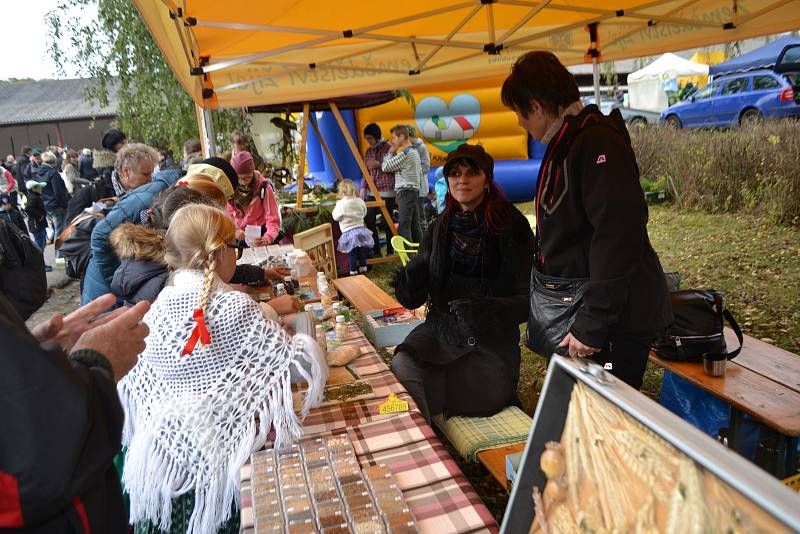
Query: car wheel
x=672, y=121
x=638, y=122
x=750, y=117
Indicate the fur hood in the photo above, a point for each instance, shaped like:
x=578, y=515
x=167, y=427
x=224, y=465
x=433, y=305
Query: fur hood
x=138, y=242
x=103, y=159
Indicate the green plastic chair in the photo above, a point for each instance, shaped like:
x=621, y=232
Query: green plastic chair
x=404, y=248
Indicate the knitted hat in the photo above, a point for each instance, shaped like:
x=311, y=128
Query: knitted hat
x=373, y=129
x=225, y=166
x=216, y=174
x=242, y=163
x=36, y=151
x=474, y=153
x=112, y=138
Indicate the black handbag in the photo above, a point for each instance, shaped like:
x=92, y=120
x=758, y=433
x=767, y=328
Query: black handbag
x=696, y=330
x=553, y=305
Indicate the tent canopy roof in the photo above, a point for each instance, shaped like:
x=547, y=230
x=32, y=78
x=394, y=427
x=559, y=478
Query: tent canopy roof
x=669, y=63
x=233, y=53
x=761, y=58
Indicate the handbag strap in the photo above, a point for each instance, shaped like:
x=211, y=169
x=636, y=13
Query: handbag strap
x=738, y=331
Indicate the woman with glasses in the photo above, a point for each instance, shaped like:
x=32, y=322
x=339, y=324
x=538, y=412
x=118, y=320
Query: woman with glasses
x=472, y=270
x=143, y=272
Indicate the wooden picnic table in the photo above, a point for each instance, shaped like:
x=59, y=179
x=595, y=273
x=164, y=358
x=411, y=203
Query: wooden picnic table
x=763, y=381
x=364, y=294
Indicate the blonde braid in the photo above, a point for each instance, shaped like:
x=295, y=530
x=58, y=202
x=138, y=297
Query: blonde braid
x=208, y=279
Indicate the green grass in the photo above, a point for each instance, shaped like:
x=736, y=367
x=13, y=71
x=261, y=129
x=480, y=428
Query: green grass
x=754, y=262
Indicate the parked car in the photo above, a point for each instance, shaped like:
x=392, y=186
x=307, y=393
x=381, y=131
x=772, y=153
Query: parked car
x=633, y=117
x=736, y=99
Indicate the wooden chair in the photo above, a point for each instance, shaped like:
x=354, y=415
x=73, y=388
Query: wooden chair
x=318, y=244
x=404, y=248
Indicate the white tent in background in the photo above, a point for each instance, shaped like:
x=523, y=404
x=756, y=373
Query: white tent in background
x=645, y=86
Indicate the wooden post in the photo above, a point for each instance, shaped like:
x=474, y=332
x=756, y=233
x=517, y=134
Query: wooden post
x=326, y=149
x=302, y=159
x=367, y=176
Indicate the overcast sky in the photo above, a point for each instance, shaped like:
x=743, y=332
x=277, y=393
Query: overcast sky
x=23, y=30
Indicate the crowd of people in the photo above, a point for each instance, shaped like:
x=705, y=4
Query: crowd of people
x=204, y=373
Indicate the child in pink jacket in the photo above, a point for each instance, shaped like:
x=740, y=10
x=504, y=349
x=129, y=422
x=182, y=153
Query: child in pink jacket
x=253, y=202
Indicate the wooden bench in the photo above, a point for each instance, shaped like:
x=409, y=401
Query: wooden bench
x=763, y=381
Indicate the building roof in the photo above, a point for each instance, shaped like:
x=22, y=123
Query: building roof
x=51, y=101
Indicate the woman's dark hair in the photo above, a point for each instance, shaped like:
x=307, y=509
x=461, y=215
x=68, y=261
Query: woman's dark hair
x=494, y=207
x=192, y=145
x=541, y=76
x=171, y=200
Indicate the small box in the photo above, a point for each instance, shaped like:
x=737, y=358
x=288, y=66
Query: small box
x=388, y=327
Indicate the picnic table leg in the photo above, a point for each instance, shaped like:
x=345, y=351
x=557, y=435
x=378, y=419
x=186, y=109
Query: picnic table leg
x=734, y=430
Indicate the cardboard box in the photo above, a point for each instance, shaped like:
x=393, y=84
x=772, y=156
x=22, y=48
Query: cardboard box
x=390, y=326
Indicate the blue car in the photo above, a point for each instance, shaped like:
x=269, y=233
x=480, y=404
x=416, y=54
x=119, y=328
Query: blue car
x=736, y=99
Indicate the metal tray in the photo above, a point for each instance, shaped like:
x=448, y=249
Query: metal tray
x=548, y=425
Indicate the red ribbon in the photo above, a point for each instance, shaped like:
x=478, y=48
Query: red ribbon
x=200, y=333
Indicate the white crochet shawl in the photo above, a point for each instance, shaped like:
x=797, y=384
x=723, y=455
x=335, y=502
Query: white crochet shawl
x=190, y=421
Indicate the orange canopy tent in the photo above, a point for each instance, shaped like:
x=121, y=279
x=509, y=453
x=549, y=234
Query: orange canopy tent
x=244, y=53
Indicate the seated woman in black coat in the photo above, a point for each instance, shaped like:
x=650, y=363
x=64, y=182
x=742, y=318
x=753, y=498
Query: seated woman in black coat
x=473, y=270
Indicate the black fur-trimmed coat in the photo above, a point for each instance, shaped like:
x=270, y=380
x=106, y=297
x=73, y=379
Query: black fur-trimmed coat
x=472, y=325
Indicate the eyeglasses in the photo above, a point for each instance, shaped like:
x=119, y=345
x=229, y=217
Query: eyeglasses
x=239, y=250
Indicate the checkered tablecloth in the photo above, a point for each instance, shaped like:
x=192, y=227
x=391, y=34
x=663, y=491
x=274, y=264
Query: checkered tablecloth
x=441, y=498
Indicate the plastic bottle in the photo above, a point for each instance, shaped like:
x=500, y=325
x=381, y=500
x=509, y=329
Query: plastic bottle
x=280, y=290
x=319, y=311
x=319, y=333
x=335, y=307
x=324, y=289
x=309, y=308
x=341, y=327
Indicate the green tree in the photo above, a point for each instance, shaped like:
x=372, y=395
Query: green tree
x=116, y=49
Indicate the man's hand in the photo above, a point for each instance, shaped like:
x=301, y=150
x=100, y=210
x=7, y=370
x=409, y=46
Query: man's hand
x=285, y=304
x=120, y=339
x=239, y=234
x=373, y=164
x=576, y=348
x=276, y=272
x=65, y=331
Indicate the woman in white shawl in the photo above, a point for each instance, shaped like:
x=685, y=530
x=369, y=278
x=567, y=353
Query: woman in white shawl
x=214, y=379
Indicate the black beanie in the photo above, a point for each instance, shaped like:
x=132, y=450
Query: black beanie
x=226, y=167
x=374, y=130
x=112, y=138
x=477, y=154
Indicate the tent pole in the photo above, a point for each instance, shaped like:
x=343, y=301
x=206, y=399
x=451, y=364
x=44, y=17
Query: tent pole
x=596, y=80
x=368, y=177
x=205, y=124
x=301, y=163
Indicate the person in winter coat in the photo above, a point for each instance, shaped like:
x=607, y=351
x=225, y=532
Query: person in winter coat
x=71, y=178
x=103, y=160
x=22, y=168
x=55, y=195
x=134, y=166
x=253, y=203
x=10, y=213
x=591, y=218
x=384, y=182
x=473, y=270
x=62, y=418
x=86, y=168
x=37, y=216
